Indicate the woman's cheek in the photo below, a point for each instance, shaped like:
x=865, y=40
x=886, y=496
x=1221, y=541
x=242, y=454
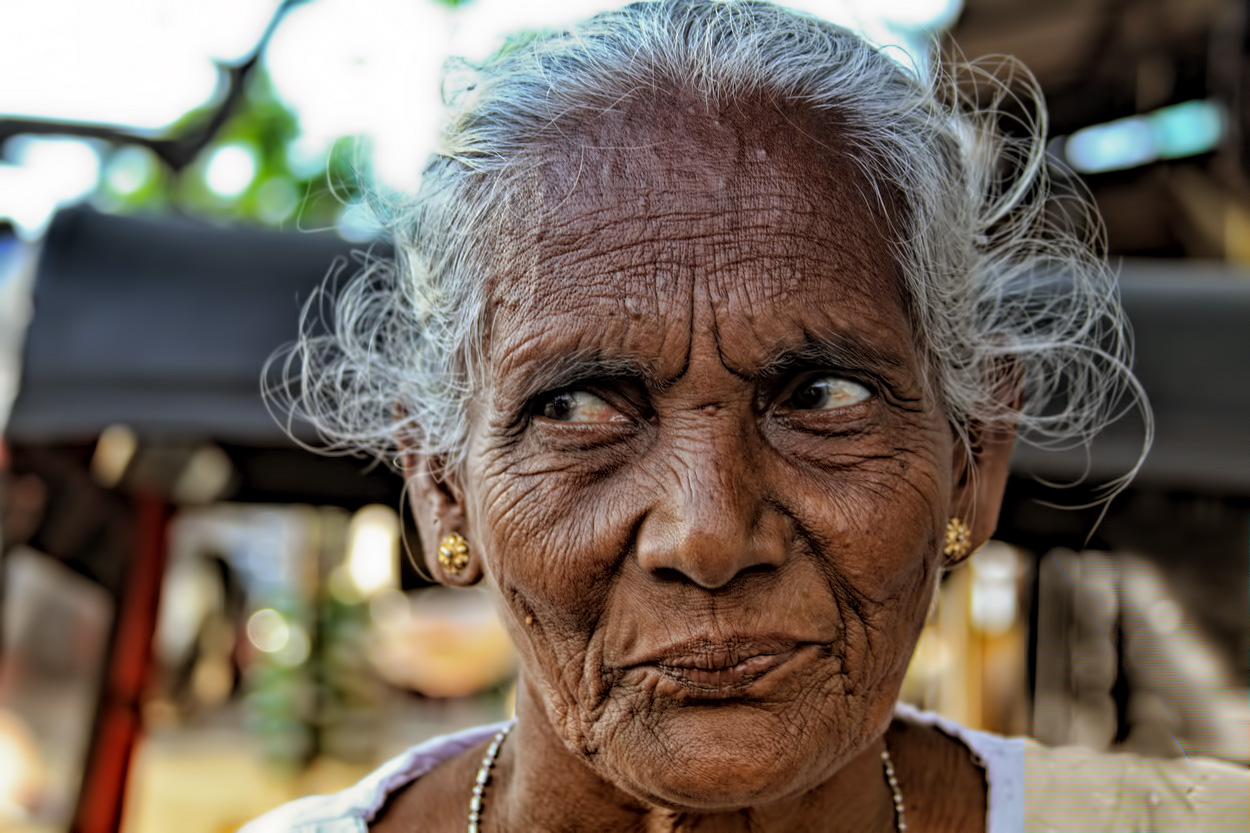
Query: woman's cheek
x=553, y=547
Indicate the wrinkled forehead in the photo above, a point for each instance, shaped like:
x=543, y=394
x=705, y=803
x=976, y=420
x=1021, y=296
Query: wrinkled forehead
x=667, y=202
x=669, y=154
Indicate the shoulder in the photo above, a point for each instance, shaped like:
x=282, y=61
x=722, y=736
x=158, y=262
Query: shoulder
x=1077, y=789
x=350, y=810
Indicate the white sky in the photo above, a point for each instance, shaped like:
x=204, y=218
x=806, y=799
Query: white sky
x=135, y=62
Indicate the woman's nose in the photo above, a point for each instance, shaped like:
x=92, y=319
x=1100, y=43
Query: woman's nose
x=709, y=522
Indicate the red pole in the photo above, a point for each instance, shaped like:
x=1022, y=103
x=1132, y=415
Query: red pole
x=118, y=719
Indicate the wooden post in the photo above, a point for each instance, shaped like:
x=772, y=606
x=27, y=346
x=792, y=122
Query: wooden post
x=130, y=654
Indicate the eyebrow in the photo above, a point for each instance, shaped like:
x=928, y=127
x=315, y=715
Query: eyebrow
x=834, y=351
x=564, y=370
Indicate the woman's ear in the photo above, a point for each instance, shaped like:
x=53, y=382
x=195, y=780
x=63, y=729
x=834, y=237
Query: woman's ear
x=981, y=471
x=983, y=463
x=437, y=505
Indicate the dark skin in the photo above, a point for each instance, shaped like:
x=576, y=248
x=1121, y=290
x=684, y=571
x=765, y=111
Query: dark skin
x=707, y=483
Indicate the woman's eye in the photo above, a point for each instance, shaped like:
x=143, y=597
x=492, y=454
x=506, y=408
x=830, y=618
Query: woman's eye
x=824, y=393
x=578, y=406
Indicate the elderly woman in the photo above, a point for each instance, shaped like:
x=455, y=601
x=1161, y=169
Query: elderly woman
x=711, y=331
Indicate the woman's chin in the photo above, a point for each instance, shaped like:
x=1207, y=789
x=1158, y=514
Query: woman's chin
x=719, y=783
x=723, y=758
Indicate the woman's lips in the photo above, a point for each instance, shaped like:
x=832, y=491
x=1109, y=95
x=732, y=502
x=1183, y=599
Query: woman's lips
x=714, y=665
x=715, y=676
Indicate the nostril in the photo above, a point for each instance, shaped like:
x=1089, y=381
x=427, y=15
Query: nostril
x=668, y=574
x=709, y=579
x=763, y=567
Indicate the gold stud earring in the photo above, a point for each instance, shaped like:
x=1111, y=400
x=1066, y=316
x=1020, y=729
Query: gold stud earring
x=958, y=539
x=453, y=553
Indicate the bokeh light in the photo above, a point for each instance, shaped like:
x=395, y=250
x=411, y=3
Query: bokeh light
x=230, y=170
x=373, y=549
x=268, y=630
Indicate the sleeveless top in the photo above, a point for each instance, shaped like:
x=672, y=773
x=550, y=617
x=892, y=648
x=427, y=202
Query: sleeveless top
x=1069, y=789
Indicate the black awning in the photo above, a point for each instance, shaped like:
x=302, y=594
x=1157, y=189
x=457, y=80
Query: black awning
x=163, y=325
x=1191, y=327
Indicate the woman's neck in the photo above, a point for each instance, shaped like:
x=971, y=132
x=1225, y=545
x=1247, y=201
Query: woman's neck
x=539, y=784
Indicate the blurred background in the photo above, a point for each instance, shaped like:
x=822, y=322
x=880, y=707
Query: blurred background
x=201, y=620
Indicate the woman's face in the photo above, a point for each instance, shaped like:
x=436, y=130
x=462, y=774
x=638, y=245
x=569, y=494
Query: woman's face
x=706, y=474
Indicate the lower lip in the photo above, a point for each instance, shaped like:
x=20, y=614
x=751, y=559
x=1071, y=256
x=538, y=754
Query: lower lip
x=737, y=676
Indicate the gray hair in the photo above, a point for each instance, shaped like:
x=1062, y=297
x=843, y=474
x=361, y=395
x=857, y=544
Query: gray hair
x=1003, y=267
